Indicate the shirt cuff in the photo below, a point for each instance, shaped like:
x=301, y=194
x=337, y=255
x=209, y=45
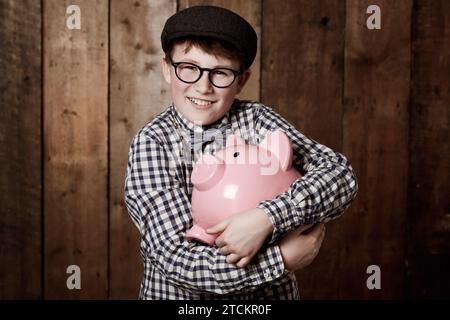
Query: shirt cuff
x=267, y=267
x=282, y=214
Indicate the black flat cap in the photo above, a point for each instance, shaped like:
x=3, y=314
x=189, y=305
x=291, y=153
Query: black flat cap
x=212, y=22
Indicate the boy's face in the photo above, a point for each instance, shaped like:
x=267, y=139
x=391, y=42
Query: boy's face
x=201, y=102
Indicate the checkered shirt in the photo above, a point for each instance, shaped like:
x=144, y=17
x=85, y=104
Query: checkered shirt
x=158, y=190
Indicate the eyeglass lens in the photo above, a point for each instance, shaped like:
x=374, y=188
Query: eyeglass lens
x=191, y=73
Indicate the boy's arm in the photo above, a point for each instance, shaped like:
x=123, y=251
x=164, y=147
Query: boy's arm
x=324, y=191
x=161, y=210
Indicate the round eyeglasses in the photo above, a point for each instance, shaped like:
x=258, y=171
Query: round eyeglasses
x=191, y=73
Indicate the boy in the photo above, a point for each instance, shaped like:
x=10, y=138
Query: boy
x=209, y=51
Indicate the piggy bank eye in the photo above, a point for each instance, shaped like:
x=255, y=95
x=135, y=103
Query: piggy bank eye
x=236, y=154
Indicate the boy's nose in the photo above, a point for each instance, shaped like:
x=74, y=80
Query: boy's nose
x=203, y=85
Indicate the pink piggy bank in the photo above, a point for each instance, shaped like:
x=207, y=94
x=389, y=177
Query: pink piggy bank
x=237, y=178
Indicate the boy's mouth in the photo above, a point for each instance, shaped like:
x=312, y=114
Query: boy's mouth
x=200, y=102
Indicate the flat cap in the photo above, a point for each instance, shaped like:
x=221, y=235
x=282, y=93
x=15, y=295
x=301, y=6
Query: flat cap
x=212, y=22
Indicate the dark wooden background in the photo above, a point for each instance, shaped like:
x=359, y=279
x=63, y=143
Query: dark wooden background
x=71, y=100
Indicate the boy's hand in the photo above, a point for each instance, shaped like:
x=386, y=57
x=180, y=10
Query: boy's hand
x=242, y=235
x=300, y=247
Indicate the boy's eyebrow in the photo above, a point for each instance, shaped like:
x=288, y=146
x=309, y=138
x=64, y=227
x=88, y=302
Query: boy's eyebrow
x=198, y=63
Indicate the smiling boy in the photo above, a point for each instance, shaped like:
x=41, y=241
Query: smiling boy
x=209, y=51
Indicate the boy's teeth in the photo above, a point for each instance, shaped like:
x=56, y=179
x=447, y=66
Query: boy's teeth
x=200, y=102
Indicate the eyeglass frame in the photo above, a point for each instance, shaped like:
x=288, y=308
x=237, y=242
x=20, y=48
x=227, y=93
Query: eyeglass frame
x=235, y=73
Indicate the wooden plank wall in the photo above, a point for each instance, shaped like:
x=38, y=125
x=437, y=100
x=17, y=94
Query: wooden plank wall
x=375, y=126
x=306, y=43
x=20, y=149
x=76, y=149
x=429, y=181
x=379, y=96
x=137, y=93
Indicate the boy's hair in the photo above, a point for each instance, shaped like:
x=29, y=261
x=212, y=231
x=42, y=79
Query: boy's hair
x=210, y=46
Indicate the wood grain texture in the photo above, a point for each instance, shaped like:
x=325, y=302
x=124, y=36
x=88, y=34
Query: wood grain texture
x=380, y=97
x=251, y=11
x=377, y=86
x=76, y=148
x=429, y=165
x=138, y=92
x=302, y=78
x=302, y=65
x=20, y=149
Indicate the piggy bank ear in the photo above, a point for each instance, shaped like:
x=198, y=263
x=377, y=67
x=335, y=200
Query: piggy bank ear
x=234, y=140
x=277, y=142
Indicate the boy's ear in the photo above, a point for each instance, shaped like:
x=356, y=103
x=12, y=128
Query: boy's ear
x=166, y=70
x=243, y=80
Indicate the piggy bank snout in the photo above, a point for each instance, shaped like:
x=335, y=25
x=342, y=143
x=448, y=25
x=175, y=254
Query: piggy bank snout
x=207, y=172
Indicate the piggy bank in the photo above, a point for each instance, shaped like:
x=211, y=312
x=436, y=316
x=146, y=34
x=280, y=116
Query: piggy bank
x=236, y=179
